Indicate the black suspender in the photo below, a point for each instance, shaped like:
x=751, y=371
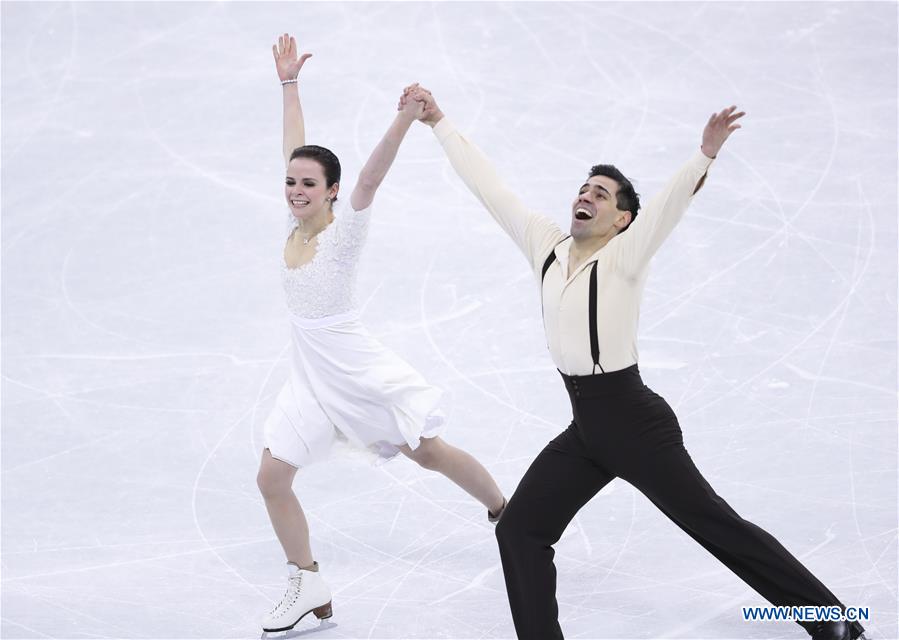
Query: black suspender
x=546, y=265
x=594, y=335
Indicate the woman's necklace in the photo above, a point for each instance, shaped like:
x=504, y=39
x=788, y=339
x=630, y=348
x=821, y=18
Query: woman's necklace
x=308, y=239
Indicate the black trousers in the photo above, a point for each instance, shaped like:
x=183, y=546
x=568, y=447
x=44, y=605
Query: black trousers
x=622, y=429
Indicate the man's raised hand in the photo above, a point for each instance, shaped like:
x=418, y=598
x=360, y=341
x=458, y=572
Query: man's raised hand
x=718, y=129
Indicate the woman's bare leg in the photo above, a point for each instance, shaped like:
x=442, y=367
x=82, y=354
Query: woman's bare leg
x=460, y=467
x=275, y=482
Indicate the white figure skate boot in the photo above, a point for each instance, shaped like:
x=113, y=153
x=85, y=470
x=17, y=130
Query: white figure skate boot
x=306, y=593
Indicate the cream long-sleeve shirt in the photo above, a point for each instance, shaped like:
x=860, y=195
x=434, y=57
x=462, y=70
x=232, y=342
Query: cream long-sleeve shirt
x=621, y=265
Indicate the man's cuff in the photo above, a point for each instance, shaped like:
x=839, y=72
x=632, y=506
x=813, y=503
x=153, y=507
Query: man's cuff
x=700, y=163
x=443, y=129
x=701, y=160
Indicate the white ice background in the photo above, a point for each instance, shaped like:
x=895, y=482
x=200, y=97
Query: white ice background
x=144, y=326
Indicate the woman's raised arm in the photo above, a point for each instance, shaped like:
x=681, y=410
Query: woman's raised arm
x=382, y=157
x=288, y=66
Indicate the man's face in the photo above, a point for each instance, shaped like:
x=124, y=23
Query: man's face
x=595, y=212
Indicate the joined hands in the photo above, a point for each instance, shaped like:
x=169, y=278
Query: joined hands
x=430, y=113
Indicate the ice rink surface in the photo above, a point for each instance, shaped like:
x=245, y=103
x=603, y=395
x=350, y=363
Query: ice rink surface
x=144, y=327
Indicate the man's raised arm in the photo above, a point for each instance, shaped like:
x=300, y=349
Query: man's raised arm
x=534, y=234
x=662, y=213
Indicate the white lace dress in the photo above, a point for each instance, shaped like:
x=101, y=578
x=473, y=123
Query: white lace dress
x=344, y=384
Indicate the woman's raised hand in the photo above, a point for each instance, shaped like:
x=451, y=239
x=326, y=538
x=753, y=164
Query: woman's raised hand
x=411, y=109
x=286, y=61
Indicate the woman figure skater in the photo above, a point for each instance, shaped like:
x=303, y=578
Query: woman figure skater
x=344, y=384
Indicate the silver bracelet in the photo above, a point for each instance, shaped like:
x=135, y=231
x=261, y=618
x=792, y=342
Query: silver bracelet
x=284, y=82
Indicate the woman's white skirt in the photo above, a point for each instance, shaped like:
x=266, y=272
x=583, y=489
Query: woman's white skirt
x=346, y=386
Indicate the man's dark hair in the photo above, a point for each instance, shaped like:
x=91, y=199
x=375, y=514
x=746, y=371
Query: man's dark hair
x=627, y=199
x=329, y=162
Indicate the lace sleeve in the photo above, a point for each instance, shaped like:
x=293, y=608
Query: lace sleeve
x=352, y=226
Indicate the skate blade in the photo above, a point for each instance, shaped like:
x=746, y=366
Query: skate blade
x=322, y=613
x=324, y=625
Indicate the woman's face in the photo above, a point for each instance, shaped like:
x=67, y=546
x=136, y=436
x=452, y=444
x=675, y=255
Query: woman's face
x=305, y=188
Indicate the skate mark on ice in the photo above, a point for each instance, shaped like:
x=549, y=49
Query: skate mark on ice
x=324, y=625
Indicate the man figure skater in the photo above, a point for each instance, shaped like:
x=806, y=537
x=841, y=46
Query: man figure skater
x=591, y=287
